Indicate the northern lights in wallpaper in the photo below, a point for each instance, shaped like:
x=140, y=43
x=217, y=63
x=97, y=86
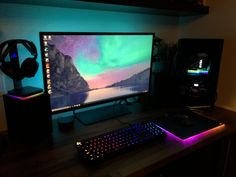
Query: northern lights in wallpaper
x=87, y=68
x=99, y=58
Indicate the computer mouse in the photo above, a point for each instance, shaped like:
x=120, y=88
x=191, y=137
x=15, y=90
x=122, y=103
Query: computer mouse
x=65, y=123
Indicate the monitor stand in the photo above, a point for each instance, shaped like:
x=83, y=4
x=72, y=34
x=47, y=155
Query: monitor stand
x=90, y=117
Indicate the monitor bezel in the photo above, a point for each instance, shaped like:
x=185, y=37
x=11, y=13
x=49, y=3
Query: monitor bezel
x=99, y=102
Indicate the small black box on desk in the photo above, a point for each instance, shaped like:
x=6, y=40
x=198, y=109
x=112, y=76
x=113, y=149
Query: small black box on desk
x=28, y=118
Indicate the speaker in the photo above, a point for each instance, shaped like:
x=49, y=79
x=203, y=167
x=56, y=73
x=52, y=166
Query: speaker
x=11, y=68
x=28, y=119
x=197, y=68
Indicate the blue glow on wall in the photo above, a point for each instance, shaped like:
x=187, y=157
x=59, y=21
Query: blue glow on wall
x=26, y=21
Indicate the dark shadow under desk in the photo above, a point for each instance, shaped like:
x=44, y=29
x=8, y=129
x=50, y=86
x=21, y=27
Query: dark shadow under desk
x=57, y=156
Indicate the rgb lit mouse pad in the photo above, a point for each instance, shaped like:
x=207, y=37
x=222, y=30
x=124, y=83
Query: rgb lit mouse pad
x=185, y=125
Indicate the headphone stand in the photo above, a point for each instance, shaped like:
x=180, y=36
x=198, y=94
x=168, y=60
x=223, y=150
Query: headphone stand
x=17, y=84
x=25, y=91
x=10, y=65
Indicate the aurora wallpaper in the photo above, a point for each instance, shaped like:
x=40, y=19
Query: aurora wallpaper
x=87, y=68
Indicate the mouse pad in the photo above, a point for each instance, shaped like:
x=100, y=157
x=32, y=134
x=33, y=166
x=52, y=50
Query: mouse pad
x=187, y=124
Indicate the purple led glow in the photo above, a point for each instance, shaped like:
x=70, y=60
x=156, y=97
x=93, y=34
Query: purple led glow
x=196, y=137
x=24, y=98
x=199, y=136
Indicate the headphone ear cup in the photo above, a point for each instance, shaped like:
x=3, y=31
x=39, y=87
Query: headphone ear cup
x=11, y=70
x=29, y=67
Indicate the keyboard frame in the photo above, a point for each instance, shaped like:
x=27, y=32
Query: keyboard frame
x=87, y=152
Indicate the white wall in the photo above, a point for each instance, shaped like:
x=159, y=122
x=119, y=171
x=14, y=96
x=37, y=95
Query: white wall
x=220, y=23
x=26, y=21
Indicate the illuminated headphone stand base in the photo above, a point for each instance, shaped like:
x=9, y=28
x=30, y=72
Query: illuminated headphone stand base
x=25, y=91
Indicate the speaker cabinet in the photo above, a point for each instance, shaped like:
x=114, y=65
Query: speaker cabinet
x=28, y=118
x=196, y=71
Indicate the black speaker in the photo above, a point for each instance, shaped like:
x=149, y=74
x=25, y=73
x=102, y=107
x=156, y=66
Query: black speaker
x=197, y=68
x=28, y=118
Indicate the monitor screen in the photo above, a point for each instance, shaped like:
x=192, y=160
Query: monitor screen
x=82, y=69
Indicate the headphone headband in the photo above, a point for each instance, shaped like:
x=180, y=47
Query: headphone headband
x=13, y=42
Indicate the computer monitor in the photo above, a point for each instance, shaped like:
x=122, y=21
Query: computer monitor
x=84, y=69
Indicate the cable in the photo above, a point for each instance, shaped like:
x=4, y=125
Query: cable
x=78, y=119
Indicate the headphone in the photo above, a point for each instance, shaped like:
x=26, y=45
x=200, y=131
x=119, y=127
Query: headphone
x=29, y=66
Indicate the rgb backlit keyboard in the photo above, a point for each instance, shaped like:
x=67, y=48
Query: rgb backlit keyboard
x=109, y=143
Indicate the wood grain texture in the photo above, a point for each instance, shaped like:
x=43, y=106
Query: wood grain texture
x=56, y=156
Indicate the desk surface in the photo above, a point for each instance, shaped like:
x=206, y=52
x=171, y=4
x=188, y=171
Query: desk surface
x=57, y=155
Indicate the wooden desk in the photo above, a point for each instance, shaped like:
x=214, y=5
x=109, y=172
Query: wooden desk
x=56, y=156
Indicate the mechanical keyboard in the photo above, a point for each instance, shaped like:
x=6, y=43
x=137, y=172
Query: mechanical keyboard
x=99, y=147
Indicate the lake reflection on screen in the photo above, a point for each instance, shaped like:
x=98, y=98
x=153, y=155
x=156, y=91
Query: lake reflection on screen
x=93, y=95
